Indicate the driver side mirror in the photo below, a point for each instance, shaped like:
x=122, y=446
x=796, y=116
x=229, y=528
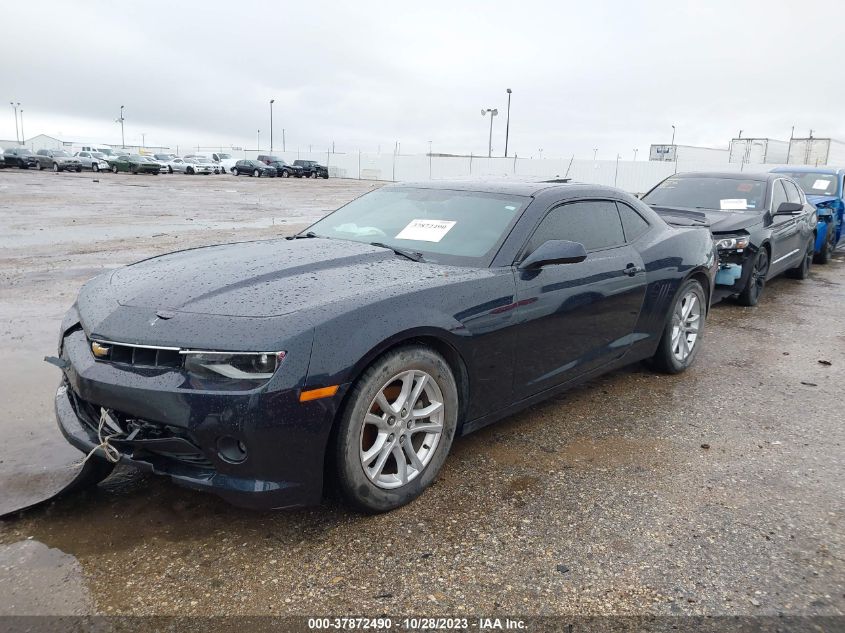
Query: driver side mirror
x=554, y=252
x=789, y=208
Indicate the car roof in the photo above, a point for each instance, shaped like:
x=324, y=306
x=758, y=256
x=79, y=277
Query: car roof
x=736, y=175
x=809, y=169
x=507, y=186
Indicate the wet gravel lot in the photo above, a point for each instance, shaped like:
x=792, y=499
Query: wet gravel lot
x=719, y=491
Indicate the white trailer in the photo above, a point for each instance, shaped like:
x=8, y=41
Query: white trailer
x=817, y=151
x=690, y=153
x=758, y=151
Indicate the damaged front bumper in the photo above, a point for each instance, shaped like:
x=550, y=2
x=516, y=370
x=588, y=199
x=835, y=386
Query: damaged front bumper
x=258, y=449
x=734, y=271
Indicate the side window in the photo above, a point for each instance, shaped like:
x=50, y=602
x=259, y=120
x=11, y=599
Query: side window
x=778, y=195
x=792, y=193
x=632, y=222
x=593, y=223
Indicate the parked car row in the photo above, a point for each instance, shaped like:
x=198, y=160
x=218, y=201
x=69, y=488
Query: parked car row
x=108, y=159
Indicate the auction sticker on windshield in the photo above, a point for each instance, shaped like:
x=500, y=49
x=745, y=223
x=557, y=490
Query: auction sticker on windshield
x=426, y=230
x=730, y=204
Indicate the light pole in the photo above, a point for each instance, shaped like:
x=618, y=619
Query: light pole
x=635, y=154
x=493, y=112
x=272, y=101
x=673, y=139
x=23, y=136
x=595, y=151
x=143, y=140
x=616, y=173
x=283, y=140
x=429, y=160
x=17, y=133
x=258, y=140
x=122, y=137
x=508, y=122
x=541, y=153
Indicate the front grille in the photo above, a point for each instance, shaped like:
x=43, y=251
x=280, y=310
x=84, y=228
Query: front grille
x=139, y=356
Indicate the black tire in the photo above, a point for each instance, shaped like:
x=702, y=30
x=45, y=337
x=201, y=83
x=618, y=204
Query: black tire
x=56, y=168
x=95, y=168
x=169, y=169
x=667, y=359
x=189, y=171
x=356, y=488
x=114, y=169
x=325, y=177
x=40, y=166
x=285, y=173
x=134, y=171
x=256, y=173
x=802, y=270
x=79, y=170
x=756, y=283
x=823, y=257
x=235, y=171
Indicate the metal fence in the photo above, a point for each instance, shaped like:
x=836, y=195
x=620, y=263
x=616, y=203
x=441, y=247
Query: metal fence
x=632, y=176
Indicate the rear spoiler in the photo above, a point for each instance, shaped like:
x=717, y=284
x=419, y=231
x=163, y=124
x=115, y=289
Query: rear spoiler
x=682, y=217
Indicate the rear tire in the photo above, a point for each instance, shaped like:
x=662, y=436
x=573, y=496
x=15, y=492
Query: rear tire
x=55, y=167
x=753, y=290
x=114, y=169
x=235, y=171
x=377, y=447
x=78, y=170
x=802, y=271
x=285, y=173
x=681, y=337
x=40, y=166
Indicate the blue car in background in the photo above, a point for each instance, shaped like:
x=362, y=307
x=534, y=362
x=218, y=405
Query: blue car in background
x=824, y=188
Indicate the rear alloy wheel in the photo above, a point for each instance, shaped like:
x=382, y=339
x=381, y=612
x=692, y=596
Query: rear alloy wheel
x=40, y=166
x=396, y=429
x=753, y=290
x=285, y=173
x=679, y=343
x=256, y=173
x=802, y=271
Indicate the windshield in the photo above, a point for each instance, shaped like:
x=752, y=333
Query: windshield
x=162, y=157
x=702, y=192
x=98, y=155
x=224, y=156
x=136, y=158
x=107, y=152
x=815, y=184
x=202, y=160
x=61, y=154
x=457, y=227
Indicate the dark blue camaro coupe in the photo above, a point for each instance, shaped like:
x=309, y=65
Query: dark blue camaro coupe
x=358, y=349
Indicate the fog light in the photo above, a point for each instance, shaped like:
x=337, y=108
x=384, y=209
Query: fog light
x=231, y=449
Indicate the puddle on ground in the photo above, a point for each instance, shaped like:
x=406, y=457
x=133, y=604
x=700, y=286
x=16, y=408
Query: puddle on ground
x=40, y=580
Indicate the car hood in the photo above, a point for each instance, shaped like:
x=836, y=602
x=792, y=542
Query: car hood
x=720, y=221
x=271, y=278
x=817, y=200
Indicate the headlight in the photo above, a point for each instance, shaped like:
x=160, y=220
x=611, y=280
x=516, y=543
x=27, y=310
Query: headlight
x=256, y=367
x=734, y=243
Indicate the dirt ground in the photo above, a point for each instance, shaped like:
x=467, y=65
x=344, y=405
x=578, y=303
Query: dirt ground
x=720, y=491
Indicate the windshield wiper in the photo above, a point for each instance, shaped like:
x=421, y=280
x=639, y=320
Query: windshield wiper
x=413, y=256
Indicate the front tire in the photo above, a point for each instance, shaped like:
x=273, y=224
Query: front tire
x=114, y=169
x=679, y=344
x=256, y=173
x=753, y=290
x=285, y=173
x=396, y=429
x=95, y=168
x=55, y=167
x=235, y=171
x=826, y=253
x=40, y=166
x=802, y=271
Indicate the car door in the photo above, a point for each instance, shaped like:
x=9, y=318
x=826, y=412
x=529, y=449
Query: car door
x=573, y=318
x=785, y=232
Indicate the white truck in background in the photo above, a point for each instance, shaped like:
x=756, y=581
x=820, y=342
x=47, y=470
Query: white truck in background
x=817, y=152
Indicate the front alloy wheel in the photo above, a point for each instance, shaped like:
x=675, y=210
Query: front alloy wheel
x=256, y=173
x=396, y=429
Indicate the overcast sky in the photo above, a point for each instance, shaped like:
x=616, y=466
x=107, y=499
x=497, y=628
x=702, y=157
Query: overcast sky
x=612, y=75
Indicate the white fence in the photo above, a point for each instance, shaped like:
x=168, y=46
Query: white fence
x=632, y=176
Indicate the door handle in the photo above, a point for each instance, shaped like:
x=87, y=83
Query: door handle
x=632, y=270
